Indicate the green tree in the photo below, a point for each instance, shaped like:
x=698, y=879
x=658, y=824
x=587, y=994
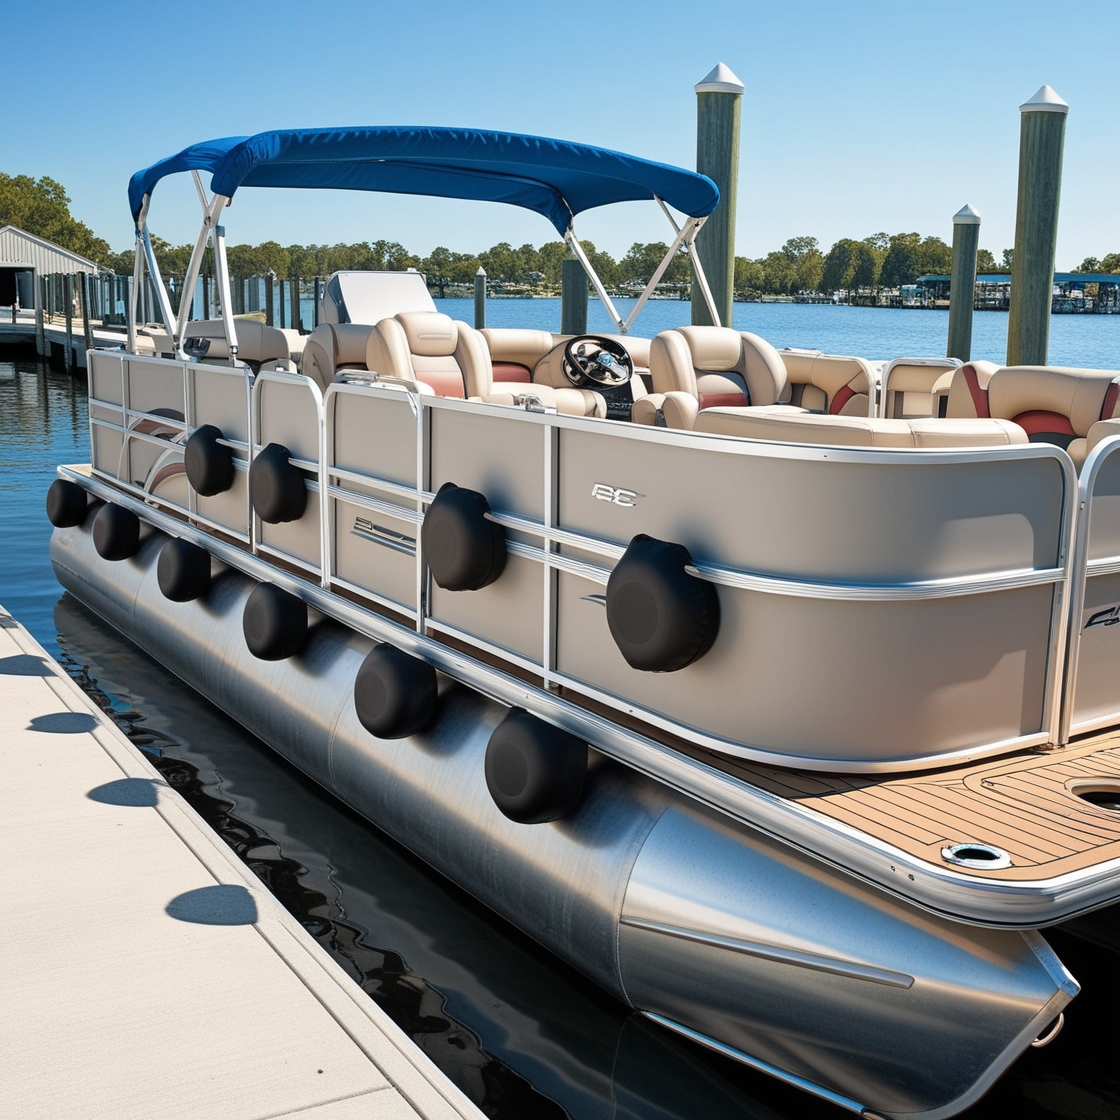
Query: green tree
x=1008, y=260
x=985, y=262
x=934, y=257
x=839, y=265
x=866, y=265
x=748, y=275
x=42, y=207
x=900, y=263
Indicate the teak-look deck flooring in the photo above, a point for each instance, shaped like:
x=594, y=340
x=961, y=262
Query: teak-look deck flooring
x=1022, y=803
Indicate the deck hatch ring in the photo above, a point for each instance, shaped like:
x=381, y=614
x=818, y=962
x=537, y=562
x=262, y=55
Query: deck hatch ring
x=1100, y=794
x=983, y=857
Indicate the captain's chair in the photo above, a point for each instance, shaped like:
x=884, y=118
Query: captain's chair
x=693, y=368
x=432, y=350
x=258, y=345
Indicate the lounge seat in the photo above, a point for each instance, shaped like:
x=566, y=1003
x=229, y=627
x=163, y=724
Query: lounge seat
x=785, y=425
x=258, y=345
x=831, y=383
x=696, y=368
x=913, y=388
x=1052, y=404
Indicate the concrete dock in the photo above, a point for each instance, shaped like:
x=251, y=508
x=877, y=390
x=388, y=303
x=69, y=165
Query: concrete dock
x=144, y=971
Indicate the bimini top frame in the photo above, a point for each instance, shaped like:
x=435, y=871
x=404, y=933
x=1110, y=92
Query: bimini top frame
x=555, y=178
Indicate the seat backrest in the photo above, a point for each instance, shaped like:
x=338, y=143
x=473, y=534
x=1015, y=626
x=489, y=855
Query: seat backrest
x=832, y=383
x=968, y=391
x=428, y=348
x=788, y=426
x=332, y=347
x=256, y=342
x=718, y=366
x=514, y=353
x=910, y=384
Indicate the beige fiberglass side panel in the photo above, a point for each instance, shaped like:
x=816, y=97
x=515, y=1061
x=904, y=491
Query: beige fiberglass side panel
x=820, y=517
x=296, y=539
x=509, y=613
x=499, y=453
x=288, y=416
x=105, y=375
x=374, y=433
x=155, y=384
x=833, y=679
x=1097, y=694
x=106, y=444
x=375, y=551
x=229, y=508
x=220, y=396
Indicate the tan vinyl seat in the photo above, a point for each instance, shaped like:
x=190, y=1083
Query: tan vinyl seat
x=514, y=353
x=1052, y=404
x=430, y=349
x=332, y=347
x=696, y=368
x=784, y=425
x=831, y=383
x=257, y=344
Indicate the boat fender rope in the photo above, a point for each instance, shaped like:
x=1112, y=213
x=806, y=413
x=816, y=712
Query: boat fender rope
x=276, y=486
x=274, y=623
x=661, y=618
x=116, y=532
x=209, y=463
x=394, y=693
x=535, y=772
x=465, y=550
x=183, y=571
x=67, y=504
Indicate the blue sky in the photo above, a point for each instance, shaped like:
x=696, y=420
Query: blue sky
x=856, y=117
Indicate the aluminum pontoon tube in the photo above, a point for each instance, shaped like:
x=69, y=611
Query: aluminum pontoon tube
x=713, y=930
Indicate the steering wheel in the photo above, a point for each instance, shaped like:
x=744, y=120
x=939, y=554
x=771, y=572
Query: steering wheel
x=602, y=361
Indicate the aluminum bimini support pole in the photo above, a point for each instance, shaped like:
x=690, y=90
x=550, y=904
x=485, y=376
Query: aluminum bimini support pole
x=685, y=237
x=221, y=273
x=134, y=294
x=211, y=209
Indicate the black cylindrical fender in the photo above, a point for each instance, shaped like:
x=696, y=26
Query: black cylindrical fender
x=463, y=548
x=276, y=486
x=116, y=532
x=534, y=771
x=67, y=504
x=274, y=623
x=394, y=693
x=209, y=464
x=661, y=617
x=183, y=571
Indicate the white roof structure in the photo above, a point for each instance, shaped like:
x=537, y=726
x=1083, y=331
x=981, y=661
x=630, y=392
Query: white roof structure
x=23, y=249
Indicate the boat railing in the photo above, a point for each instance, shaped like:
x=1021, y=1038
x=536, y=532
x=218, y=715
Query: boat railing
x=894, y=609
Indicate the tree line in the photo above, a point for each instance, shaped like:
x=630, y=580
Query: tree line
x=42, y=207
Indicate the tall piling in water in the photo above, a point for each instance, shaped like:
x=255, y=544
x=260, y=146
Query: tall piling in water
x=962, y=283
x=719, y=99
x=573, y=297
x=1042, y=135
x=480, y=298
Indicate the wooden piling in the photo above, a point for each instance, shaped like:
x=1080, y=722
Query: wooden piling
x=269, y=300
x=1042, y=134
x=296, y=316
x=83, y=296
x=68, y=300
x=573, y=297
x=40, y=304
x=480, y=298
x=962, y=284
x=315, y=309
x=719, y=99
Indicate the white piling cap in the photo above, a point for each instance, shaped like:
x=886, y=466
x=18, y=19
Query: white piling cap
x=720, y=80
x=966, y=216
x=481, y=271
x=1045, y=101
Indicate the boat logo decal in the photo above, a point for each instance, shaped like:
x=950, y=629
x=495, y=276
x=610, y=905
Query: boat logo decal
x=1110, y=616
x=616, y=495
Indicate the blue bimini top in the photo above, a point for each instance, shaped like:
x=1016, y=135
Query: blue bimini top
x=555, y=178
